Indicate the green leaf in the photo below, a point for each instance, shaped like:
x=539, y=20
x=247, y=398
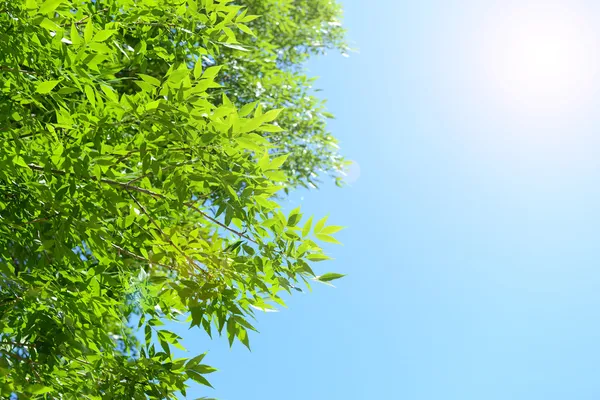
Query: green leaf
x=331, y=229
x=150, y=79
x=278, y=161
x=264, y=161
x=195, y=361
x=50, y=25
x=18, y=160
x=198, y=378
x=88, y=31
x=211, y=72
x=245, y=29
x=202, y=369
x=328, y=277
x=75, y=38
x=327, y=238
x=46, y=87
x=90, y=94
x=103, y=35
x=307, y=226
x=270, y=128
x=247, y=109
x=320, y=224
x=198, y=69
x=294, y=217
x=271, y=115
x=49, y=6
x=318, y=257
x=39, y=389
x=235, y=46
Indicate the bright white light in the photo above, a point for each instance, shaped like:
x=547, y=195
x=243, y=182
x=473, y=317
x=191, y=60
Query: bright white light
x=540, y=57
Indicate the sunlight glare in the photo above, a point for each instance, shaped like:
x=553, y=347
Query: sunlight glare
x=540, y=58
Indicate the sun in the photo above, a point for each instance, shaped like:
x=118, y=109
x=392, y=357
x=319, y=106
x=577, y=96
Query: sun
x=540, y=57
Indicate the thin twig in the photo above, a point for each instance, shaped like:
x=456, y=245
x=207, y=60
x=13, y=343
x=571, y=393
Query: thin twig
x=189, y=260
x=127, y=186
x=82, y=20
x=17, y=356
x=22, y=71
x=22, y=136
x=43, y=219
x=137, y=257
x=222, y=225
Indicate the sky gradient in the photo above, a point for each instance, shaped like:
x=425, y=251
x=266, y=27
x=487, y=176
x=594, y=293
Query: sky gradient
x=472, y=241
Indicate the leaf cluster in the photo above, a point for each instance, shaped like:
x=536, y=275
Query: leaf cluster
x=140, y=173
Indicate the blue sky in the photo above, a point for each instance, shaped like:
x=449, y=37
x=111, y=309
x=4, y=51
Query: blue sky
x=472, y=241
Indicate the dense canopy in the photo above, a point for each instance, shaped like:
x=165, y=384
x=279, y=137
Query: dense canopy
x=144, y=146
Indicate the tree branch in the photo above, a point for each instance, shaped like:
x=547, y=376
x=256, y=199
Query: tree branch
x=22, y=71
x=222, y=225
x=160, y=230
x=128, y=186
x=137, y=257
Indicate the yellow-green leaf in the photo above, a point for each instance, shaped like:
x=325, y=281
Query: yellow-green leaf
x=102, y=35
x=331, y=229
x=88, y=31
x=245, y=29
x=270, y=115
x=90, y=94
x=278, y=161
x=306, y=228
x=150, y=79
x=211, y=72
x=75, y=38
x=327, y=238
x=46, y=87
x=39, y=389
x=270, y=128
x=320, y=224
x=49, y=6
x=198, y=69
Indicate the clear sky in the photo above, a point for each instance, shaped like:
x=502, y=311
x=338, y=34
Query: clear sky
x=472, y=244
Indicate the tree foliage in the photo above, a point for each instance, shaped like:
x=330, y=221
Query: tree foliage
x=144, y=145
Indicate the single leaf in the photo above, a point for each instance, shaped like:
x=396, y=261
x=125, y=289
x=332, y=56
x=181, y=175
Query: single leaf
x=328, y=277
x=198, y=378
x=46, y=87
x=270, y=128
x=90, y=94
x=245, y=29
x=211, y=72
x=102, y=35
x=202, y=369
x=235, y=46
x=88, y=31
x=39, y=389
x=331, y=229
x=307, y=226
x=271, y=115
x=75, y=38
x=278, y=161
x=327, y=238
x=318, y=257
x=320, y=224
x=195, y=361
x=150, y=79
x=198, y=69
x=50, y=25
x=49, y=5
